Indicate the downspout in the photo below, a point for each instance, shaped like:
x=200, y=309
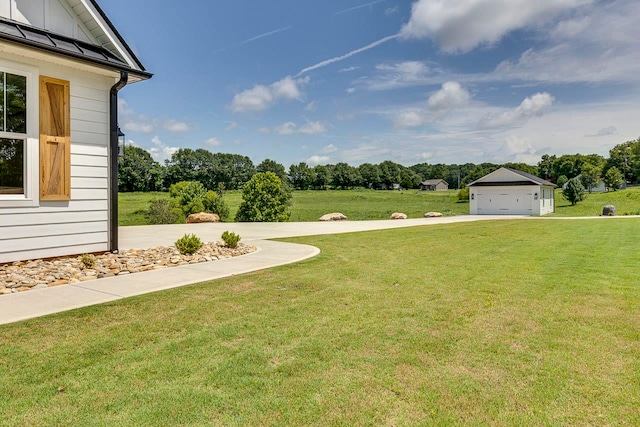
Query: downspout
x=113, y=128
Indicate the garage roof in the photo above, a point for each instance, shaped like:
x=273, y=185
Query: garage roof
x=516, y=177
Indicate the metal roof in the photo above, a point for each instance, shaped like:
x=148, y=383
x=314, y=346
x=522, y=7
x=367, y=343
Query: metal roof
x=37, y=38
x=528, y=179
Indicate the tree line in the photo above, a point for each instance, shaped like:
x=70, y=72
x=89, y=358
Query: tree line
x=138, y=171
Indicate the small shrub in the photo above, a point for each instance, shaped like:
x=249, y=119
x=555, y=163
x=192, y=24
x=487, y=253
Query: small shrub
x=214, y=203
x=163, y=211
x=463, y=195
x=188, y=244
x=230, y=239
x=88, y=260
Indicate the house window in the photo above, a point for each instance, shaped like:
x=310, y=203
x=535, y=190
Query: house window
x=13, y=132
x=18, y=135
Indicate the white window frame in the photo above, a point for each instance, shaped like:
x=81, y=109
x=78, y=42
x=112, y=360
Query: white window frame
x=31, y=182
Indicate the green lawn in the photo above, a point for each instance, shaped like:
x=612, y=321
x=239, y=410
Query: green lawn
x=371, y=204
x=311, y=205
x=491, y=323
x=627, y=202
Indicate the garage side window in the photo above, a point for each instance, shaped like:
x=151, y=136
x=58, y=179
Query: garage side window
x=13, y=132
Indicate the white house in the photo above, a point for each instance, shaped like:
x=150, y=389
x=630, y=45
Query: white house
x=509, y=191
x=62, y=63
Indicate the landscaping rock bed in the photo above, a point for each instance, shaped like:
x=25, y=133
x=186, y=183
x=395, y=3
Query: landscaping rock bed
x=35, y=274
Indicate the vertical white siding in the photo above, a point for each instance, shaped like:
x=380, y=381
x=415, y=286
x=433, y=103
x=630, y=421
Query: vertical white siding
x=81, y=224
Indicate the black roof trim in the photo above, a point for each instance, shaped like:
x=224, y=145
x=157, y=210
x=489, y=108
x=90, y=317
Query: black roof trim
x=51, y=42
x=117, y=33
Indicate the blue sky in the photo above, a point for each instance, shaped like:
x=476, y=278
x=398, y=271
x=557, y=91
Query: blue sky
x=437, y=81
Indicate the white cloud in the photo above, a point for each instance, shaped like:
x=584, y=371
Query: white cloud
x=534, y=106
x=213, y=142
x=175, y=126
x=139, y=125
x=350, y=90
x=462, y=25
x=409, y=119
x=285, y=129
x=231, y=126
x=312, y=128
x=261, y=97
x=311, y=106
x=402, y=74
x=318, y=160
x=348, y=69
x=160, y=151
x=289, y=128
x=123, y=107
x=329, y=149
x=424, y=156
x=451, y=95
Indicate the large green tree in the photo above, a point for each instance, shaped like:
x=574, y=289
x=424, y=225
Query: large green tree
x=264, y=199
x=613, y=179
x=301, y=176
x=191, y=165
x=269, y=165
x=137, y=171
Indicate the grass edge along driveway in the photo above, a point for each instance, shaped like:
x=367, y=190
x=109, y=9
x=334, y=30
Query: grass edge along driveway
x=494, y=322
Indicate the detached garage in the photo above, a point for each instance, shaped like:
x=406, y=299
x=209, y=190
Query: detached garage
x=509, y=191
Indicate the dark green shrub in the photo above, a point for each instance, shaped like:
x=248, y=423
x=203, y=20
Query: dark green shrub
x=188, y=244
x=188, y=195
x=573, y=191
x=264, y=199
x=214, y=203
x=231, y=239
x=163, y=211
x=562, y=180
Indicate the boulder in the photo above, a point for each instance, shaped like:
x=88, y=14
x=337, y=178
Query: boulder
x=202, y=217
x=398, y=215
x=432, y=215
x=335, y=216
x=609, y=210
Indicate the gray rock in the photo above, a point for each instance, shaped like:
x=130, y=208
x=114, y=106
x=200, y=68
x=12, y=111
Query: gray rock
x=609, y=210
x=40, y=286
x=432, y=215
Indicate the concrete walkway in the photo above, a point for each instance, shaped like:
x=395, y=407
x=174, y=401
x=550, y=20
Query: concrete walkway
x=40, y=302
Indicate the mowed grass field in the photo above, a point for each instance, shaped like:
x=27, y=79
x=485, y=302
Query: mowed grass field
x=371, y=204
x=500, y=323
x=310, y=205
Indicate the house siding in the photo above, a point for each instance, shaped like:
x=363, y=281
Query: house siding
x=81, y=224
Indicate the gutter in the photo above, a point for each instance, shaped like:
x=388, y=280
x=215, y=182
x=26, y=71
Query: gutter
x=113, y=158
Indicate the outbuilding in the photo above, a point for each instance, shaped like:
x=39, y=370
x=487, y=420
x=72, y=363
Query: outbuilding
x=62, y=63
x=434, y=185
x=508, y=191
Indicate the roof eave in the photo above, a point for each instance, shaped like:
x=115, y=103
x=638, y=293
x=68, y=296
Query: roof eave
x=116, y=33
x=141, y=75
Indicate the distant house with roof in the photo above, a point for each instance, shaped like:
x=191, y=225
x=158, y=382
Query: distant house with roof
x=434, y=185
x=62, y=63
x=508, y=191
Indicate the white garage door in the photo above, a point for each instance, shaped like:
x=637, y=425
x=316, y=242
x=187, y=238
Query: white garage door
x=504, y=202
